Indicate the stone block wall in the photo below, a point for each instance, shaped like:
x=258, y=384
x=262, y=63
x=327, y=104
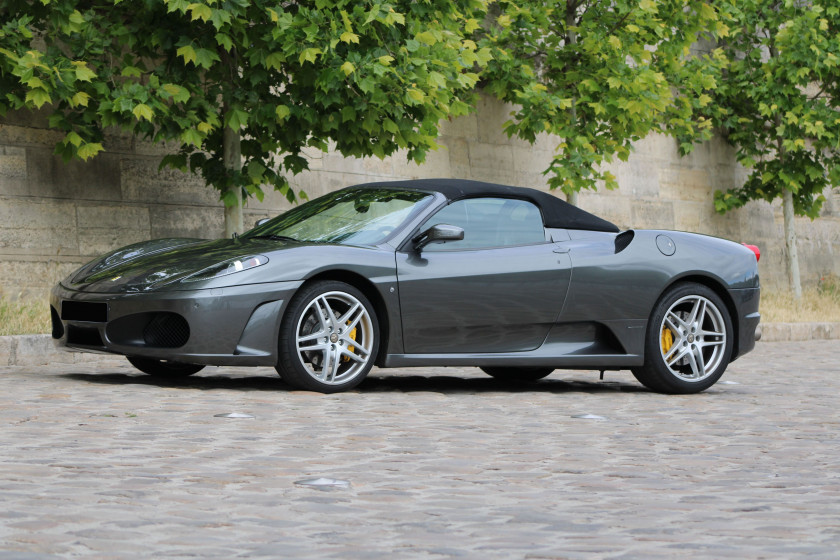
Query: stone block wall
x=54, y=216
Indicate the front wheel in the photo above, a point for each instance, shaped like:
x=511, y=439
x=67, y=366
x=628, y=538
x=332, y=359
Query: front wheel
x=164, y=369
x=329, y=338
x=688, y=343
x=518, y=374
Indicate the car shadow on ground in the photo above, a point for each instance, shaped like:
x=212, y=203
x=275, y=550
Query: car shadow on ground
x=374, y=384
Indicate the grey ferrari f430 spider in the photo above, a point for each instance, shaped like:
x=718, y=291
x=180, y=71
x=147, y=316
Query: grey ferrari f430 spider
x=438, y=272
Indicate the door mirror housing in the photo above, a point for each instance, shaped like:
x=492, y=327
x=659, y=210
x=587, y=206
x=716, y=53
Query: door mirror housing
x=261, y=222
x=438, y=233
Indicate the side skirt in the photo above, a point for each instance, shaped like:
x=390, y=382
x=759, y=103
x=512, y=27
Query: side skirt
x=516, y=359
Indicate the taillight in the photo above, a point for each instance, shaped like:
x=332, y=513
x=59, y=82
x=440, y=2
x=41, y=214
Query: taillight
x=755, y=250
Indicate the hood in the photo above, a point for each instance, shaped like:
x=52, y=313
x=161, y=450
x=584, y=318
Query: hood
x=154, y=264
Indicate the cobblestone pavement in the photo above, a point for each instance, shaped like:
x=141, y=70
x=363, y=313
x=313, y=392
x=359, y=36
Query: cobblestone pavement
x=98, y=461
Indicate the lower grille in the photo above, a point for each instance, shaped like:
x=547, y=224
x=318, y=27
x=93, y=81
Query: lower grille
x=83, y=336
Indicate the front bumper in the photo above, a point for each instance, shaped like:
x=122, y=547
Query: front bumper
x=235, y=325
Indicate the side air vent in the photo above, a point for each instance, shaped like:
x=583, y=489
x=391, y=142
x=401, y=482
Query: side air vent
x=623, y=239
x=57, y=326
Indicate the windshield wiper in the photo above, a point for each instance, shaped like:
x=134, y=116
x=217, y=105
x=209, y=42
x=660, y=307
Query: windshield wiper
x=274, y=237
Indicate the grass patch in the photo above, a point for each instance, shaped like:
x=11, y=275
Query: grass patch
x=819, y=304
x=24, y=317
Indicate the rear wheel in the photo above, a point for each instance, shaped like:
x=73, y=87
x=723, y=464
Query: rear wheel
x=689, y=341
x=163, y=368
x=518, y=374
x=329, y=338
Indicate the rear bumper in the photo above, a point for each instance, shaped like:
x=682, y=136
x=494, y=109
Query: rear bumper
x=220, y=326
x=746, y=319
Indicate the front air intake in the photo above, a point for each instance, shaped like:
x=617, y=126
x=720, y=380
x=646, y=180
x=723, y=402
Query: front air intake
x=166, y=330
x=83, y=336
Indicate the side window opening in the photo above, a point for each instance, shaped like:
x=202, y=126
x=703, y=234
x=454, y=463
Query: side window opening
x=490, y=222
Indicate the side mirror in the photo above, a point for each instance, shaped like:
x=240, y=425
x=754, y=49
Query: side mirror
x=438, y=233
x=261, y=222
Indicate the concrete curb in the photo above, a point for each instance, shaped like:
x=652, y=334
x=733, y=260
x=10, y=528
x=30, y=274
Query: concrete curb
x=787, y=332
x=38, y=349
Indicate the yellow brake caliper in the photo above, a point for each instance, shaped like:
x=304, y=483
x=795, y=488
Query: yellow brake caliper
x=350, y=348
x=666, y=340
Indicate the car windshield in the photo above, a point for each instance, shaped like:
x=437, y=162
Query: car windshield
x=361, y=216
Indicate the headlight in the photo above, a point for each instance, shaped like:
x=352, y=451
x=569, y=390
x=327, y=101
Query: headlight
x=227, y=267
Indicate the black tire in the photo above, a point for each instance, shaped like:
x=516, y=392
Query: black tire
x=518, y=374
x=164, y=369
x=696, y=350
x=341, y=358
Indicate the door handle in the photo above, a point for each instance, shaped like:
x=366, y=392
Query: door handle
x=561, y=249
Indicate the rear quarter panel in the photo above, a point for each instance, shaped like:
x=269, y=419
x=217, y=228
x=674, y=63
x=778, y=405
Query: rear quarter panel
x=620, y=289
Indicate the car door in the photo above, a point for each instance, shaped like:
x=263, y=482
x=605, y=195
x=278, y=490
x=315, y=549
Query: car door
x=498, y=290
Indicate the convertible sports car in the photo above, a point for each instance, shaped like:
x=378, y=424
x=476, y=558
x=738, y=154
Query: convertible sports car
x=436, y=272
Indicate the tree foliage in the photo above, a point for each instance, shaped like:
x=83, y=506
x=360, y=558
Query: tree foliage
x=601, y=75
x=363, y=77
x=778, y=100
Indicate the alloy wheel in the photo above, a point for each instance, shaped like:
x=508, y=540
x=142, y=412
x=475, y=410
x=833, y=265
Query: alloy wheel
x=692, y=338
x=334, y=338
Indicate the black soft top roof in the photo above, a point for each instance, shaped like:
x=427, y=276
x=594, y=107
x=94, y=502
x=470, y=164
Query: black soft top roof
x=556, y=213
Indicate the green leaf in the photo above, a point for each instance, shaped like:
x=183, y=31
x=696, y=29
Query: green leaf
x=37, y=97
x=282, y=112
x=205, y=58
x=178, y=94
x=73, y=138
x=436, y=80
x=426, y=37
x=309, y=55
x=192, y=136
x=131, y=72
x=648, y=5
x=87, y=151
x=80, y=99
x=200, y=11
x=256, y=170
x=275, y=60
x=187, y=53
x=390, y=126
x=236, y=118
x=416, y=95
x=484, y=55
x=83, y=73
x=230, y=199
x=348, y=68
x=143, y=111
x=225, y=41
x=348, y=113
x=349, y=37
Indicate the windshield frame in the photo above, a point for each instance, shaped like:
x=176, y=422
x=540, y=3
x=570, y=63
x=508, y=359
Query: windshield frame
x=308, y=210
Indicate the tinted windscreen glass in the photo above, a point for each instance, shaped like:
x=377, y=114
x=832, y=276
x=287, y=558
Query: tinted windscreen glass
x=350, y=217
